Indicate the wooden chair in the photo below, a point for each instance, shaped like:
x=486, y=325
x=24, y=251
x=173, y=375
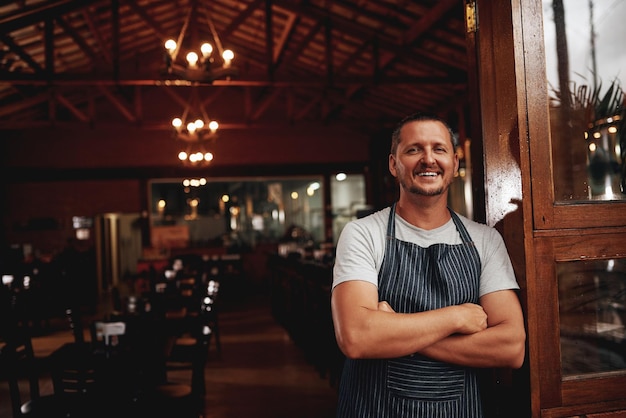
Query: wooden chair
x=182, y=392
x=85, y=377
x=18, y=362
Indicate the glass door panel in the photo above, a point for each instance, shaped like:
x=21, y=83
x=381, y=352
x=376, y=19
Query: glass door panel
x=585, y=62
x=592, y=315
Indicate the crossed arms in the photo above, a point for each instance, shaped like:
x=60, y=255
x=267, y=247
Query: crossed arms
x=490, y=334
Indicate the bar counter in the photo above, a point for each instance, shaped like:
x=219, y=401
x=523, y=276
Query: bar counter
x=300, y=302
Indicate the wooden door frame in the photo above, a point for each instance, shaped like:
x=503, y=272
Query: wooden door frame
x=503, y=166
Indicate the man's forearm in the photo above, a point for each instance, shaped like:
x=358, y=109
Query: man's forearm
x=498, y=346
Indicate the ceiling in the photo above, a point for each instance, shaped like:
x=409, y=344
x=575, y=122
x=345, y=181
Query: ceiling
x=358, y=62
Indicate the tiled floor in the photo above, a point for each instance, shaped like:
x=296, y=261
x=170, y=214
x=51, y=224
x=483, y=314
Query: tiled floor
x=261, y=373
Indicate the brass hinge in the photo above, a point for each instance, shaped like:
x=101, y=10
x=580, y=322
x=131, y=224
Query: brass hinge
x=471, y=24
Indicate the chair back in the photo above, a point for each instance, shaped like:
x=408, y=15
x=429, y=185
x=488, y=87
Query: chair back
x=17, y=360
x=108, y=332
x=209, y=310
x=75, y=380
x=74, y=319
x=187, y=293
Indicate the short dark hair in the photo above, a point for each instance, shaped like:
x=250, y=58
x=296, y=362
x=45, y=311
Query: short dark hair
x=418, y=117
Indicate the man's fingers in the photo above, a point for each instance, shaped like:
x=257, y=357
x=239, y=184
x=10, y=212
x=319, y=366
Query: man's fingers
x=385, y=307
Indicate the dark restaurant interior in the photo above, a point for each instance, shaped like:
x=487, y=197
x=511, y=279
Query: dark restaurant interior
x=169, y=219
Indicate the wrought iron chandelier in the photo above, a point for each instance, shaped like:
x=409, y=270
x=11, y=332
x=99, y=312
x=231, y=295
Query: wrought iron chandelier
x=196, y=132
x=205, y=64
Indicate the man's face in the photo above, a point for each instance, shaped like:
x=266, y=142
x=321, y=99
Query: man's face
x=425, y=161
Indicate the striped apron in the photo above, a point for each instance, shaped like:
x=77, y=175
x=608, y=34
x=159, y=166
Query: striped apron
x=416, y=279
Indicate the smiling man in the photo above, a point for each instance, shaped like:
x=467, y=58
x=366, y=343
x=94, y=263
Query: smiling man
x=421, y=295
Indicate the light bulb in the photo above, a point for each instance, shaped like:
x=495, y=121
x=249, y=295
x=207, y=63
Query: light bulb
x=182, y=155
x=170, y=45
x=213, y=125
x=228, y=56
x=191, y=127
x=192, y=59
x=208, y=156
x=206, y=49
x=199, y=124
x=177, y=123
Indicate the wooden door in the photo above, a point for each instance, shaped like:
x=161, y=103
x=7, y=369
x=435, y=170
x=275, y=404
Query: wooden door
x=569, y=253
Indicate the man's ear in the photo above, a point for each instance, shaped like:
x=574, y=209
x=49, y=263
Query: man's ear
x=392, y=165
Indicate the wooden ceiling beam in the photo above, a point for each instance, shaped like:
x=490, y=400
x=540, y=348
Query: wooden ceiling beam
x=212, y=98
x=115, y=37
x=347, y=26
x=304, y=110
x=353, y=57
x=395, y=48
x=78, y=114
x=328, y=51
x=149, y=21
x=269, y=39
x=48, y=36
x=118, y=104
x=302, y=45
x=310, y=61
x=87, y=50
x=185, y=103
x=32, y=15
x=429, y=20
x=267, y=101
x=23, y=104
x=426, y=22
x=279, y=48
x=104, y=51
x=176, y=97
x=245, y=14
x=17, y=50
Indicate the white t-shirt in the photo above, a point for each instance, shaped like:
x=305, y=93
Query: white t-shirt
x=361, y=249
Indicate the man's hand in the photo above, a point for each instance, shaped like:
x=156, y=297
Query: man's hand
x=473, y=318
x=385, y=307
